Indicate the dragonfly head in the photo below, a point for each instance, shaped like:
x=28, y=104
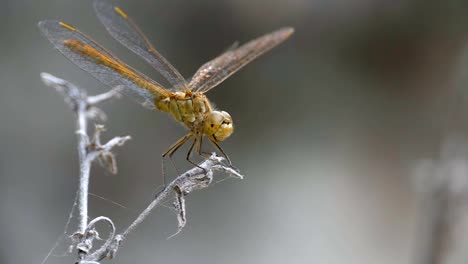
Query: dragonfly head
x=218, y=125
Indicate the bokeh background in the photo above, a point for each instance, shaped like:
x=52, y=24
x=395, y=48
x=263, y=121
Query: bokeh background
x=330, y=129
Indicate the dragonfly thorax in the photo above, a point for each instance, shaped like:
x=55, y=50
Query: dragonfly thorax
x=188, y=108
x=196, y=112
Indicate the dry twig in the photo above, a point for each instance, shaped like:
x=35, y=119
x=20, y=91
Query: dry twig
x=90, y=150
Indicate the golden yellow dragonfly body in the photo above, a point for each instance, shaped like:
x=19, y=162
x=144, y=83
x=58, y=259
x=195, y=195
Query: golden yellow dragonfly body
x=185, y=101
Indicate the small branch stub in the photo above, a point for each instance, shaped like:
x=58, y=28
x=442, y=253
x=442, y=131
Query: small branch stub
x=104, y=153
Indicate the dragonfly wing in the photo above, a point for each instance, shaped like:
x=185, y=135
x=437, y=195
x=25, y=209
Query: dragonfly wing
x=104, y=66
x=217, y=70
x=121, y=27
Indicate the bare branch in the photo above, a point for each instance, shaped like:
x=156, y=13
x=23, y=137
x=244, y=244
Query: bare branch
x=79, y=102
x=113, y=93
x=194, y=179
x=92, y=149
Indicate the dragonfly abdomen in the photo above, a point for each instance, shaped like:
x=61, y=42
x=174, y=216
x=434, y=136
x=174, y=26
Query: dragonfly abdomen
x=123, y=70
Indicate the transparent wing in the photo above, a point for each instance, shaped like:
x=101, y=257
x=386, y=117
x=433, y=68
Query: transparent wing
x=121, y=27
x=217, y=70
x=91, y=57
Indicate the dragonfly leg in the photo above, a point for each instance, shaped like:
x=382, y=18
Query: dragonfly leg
x=221, y=150
x=203, y=154
x=170, y=151
x=195, y=141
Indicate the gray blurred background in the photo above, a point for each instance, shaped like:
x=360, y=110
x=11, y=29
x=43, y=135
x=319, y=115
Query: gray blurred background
x=330, y=127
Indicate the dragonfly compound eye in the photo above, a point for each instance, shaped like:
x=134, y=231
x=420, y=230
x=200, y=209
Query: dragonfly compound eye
x=219, y=125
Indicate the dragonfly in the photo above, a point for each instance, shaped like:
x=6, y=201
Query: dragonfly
x=185, y=100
